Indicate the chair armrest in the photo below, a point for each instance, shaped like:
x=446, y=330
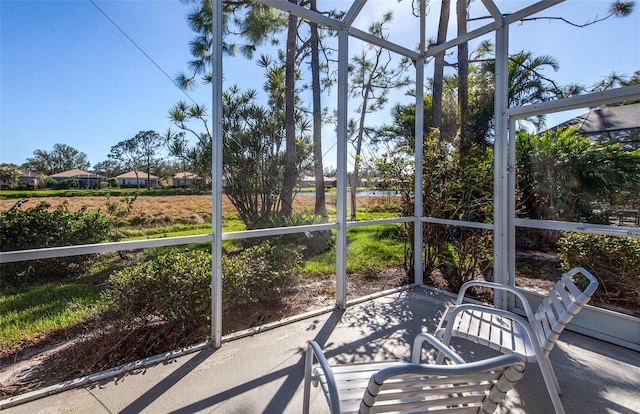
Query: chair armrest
x=315, y=352
x=416, y=351
x=496, y=286
x=534, y=340
x=593, y=282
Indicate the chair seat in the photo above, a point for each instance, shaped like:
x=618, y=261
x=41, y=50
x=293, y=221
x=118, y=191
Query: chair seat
x=412, y=387
x=351, y=381
x=505, y=335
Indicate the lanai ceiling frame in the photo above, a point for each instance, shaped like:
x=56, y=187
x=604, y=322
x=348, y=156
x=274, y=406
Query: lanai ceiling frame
x=504, y=211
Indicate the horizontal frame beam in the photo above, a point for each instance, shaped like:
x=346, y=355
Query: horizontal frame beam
x=576, y=102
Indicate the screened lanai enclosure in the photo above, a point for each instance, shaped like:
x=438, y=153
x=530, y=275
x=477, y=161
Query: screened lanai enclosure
x=423, y=150
x=506, y=222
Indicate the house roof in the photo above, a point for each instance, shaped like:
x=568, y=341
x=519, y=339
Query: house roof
x=28, y=174
x=185, y=174
x=607, y=119
x=140, y=174
x=77, y=173
x=313, y=178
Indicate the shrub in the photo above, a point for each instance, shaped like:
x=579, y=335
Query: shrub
x=615, y=261
x=173, y=287
x=72, y=182
x=38, y=227
x=176, y=287
x=260, y=272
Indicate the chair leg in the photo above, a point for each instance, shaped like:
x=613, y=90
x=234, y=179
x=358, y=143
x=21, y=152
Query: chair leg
x=307, y=381
x=550, y=381
x=553, y=375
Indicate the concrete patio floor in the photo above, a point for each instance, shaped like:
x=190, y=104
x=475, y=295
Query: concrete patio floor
x=263, y=373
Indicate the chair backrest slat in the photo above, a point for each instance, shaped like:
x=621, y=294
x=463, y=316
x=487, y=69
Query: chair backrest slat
x=420, y=404
x=560, y=305
x=466, y=386
x=402, y=392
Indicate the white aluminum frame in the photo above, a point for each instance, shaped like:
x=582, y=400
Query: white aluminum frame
x=505, y=221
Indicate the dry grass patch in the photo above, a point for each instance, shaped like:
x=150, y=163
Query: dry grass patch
x=183, y=209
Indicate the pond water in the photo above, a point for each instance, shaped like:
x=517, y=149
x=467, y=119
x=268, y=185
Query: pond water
x=369, y=193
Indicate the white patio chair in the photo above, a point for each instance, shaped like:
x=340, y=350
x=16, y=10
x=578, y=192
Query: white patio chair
x=531, y=338
x=476, y=387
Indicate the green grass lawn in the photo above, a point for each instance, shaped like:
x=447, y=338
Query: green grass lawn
x=30, y=313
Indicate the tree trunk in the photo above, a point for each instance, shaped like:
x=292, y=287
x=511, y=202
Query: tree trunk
x=356, y=163
x=438, y=68
x=148, y=174
x=318, y=168
x=463, y=80
x=289, y=180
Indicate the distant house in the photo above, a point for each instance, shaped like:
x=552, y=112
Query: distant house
x=330, y=182
x=310, y=181
x=137, y=178
x=85, y=179
x=29, y=179
x=184, y=179
x=15, y=178
x=621, y=123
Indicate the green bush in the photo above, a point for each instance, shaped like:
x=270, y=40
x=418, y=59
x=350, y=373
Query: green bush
x=72, y=182
x=260, y=272
x=615, y=261
x=173, y=287
x=176, y=286
x=38, y=227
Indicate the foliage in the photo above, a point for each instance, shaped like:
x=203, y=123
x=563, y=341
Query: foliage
x=70, y=183
x=457, y=190
x=255, y=23
x=260, y=272
x=197, y=156
x=254, y=152
x=371, y=80
x=561, y=174
x=615, y=261
x=172, y=287
x=138, y=153
x=39, y=227
x=176, y=286
x=109, y=168
x=9, y=176
x=117, y=211
x=62, y=158
x=253, y=149
x=454, y=189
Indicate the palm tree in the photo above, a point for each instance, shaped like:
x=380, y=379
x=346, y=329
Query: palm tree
x=527, y=82
x=562, y=173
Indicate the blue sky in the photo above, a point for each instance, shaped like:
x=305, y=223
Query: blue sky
x=69, y=76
